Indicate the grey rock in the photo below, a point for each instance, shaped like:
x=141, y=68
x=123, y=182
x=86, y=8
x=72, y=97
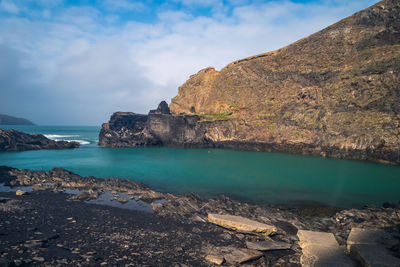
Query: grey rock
x=241, y=224
x=267, y=245
x=371, y=255
x=12, y=140
x=123, y=200
x=369, y=236
x=321, y=249
x=239, y=255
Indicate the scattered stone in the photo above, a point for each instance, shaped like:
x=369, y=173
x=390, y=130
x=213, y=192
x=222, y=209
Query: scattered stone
x=82, y=196
x=239, y=255
x=268, y=245
x=215, y=259
x=367, y=246
x=33, y=243
x=20, y=192
x=241, y=224
x=37, y=187
x=321, y=249
x=317, y=238
x=373, y=255
x=93, y=194
x=321, y=256
x=369, y=236
x=41, y=259
x=122, y=200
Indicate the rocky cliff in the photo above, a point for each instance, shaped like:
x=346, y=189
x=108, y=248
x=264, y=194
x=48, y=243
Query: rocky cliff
x=335, y=93
x=12, y=140
x=160, y=127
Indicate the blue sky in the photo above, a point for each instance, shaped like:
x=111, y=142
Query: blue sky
x=76, y=62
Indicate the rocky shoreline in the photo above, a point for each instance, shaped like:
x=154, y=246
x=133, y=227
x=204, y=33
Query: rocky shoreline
x=161, y=128
x=12, y=140
x=55, y=220
x=332, y=94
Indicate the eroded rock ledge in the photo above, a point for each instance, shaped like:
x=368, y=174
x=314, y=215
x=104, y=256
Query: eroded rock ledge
x=12, y=140
x=161, y=128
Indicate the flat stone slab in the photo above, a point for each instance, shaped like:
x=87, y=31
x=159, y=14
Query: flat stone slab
x=373, y=255
x=320, y=256
x=239, y=255
x=268, y=245
x=369, y=236
x=215, y=259
x=317, y=238
x=321, y=249
x=241, y=224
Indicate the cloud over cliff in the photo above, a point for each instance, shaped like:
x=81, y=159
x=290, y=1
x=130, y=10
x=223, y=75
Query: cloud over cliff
x=63, y=63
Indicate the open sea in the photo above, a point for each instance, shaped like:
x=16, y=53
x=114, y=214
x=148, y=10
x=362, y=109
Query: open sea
x=264, y=178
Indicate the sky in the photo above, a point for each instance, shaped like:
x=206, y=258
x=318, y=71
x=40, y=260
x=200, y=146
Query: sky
x=76, y=62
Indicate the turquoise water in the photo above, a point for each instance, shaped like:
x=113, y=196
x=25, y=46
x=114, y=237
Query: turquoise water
x=269, y=178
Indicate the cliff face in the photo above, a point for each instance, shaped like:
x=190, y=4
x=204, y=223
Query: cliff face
x=159, y=127
x=334, y=93
x=12, y=140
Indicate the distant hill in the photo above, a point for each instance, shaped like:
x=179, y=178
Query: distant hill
x=10, y=120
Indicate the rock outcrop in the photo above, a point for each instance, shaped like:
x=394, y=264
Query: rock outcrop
x=12, y=140
x=335, y=93
x=159, y=127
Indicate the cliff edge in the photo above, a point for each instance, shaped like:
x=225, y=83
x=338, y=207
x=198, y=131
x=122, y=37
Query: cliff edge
x=336, y=90
x=335, y=93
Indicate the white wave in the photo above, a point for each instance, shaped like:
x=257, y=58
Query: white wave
x=82, y=142
x=52, y=136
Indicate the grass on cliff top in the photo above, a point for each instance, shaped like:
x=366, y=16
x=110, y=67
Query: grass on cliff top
x=215, y=116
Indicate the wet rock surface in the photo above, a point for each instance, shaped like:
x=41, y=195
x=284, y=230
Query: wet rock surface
x=12, y=140
x=52, y=226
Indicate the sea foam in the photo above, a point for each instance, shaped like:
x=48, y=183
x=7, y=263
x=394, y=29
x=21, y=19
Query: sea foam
x=51, y=136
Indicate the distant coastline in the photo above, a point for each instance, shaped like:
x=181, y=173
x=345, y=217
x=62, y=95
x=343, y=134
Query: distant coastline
x=10, y=120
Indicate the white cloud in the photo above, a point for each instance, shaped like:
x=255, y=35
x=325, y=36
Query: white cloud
x=74, y=69
x=122, y=5
x=9, y=6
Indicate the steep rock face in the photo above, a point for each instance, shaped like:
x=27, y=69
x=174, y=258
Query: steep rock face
x=127, y=129
x=335, y=93
x=12, y=140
